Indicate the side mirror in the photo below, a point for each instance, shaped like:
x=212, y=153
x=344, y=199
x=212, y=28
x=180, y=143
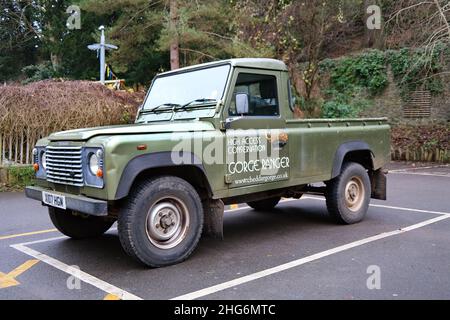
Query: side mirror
x=242, y=103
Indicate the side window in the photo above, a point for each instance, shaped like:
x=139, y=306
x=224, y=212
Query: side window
x=262, y=94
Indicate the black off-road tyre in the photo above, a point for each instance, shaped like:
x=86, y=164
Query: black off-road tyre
x=348, y=195
x=150, y=215
x=264, y=205
x=78, y=226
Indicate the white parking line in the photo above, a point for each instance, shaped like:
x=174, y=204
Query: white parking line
x=77, y=273
x=299, y=262
x=420, y=168
x=390, y=207
x=421, y=174
x=83, y=276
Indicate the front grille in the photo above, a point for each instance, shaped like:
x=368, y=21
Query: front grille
x=64, y=165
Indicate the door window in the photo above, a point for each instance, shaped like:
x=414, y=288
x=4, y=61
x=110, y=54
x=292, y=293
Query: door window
x=262, y=94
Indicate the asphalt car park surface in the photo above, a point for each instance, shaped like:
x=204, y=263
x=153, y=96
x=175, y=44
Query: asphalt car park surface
x=294, y=252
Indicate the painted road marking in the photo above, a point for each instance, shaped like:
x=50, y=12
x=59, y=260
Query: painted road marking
x=83, y=276
x=299, y=262
x=422, y=174
x=390, y=207
x=420, y=168
x=27, y=234
x=9, y=279
x=110, y=296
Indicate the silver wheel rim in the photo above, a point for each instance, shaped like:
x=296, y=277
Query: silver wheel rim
x=354, y=194
x=167, y=223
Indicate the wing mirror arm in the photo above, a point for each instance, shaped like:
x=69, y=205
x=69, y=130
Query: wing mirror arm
x=242, y=106
x=139, y=111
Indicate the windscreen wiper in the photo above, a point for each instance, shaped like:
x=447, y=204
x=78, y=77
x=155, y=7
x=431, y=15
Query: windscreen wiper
x=171, y=105
x=202, y=100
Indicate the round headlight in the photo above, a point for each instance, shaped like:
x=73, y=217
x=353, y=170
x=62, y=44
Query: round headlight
x=93, y=163
x=44, y=160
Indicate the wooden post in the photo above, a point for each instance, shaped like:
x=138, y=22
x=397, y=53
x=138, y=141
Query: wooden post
x=1, y=148
x=21, y=147
x=16, y=149
x=10, y=157
x=27, y=160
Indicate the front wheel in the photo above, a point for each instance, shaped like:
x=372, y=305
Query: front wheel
x=162, y=221
x=77, y=225
x=348, y=195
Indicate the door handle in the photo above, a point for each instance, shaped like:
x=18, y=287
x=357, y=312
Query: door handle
x=227, y=123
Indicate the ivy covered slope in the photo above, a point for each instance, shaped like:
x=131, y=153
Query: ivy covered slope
x=350, y=84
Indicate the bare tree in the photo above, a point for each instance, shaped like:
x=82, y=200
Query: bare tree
x=427, y=21
x=301, y=33
x=425, y=24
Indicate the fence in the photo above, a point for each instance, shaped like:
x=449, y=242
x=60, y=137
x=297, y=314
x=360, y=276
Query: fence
x=17, y=149
x=420, y=154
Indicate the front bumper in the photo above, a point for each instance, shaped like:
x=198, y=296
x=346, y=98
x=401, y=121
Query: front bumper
x=73, y=202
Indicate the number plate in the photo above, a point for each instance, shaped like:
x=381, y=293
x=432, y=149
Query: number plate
x=54, y=200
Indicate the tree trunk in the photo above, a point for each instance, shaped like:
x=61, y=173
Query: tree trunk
x=174, y=44
x=55, y=58
x=56, y=61
x=369, y=34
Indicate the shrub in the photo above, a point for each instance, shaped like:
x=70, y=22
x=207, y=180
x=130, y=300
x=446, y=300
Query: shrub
x=429, y=137
x=366, y=75
x=417, y=69
x=22, y=176
x=344, y=105
x=38, y=72
x=367, y=71
x=40, y=108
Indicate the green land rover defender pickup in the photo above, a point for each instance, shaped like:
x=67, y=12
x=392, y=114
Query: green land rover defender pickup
x=206, y=136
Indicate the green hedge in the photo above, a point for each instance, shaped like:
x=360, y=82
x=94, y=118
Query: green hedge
x=15, y=178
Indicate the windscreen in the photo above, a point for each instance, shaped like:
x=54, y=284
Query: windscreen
x=185, y=87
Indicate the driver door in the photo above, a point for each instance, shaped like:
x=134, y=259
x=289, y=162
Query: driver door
x=257, y=150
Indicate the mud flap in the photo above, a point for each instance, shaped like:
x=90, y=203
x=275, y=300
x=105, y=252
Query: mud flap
x=213, y=218
x=379, y=184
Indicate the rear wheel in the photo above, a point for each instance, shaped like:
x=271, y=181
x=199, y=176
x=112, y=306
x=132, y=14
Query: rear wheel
x=266, y=204
x=348, y=195
x=77, y=225
x=162, y=222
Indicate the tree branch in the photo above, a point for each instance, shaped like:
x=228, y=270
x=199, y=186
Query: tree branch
x=444, y=18
x=199, y=52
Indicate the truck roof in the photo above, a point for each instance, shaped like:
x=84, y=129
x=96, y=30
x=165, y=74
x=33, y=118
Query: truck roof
x=255, y=63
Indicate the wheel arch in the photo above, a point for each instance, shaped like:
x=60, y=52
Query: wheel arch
x=355, y=151
x=162, y=163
